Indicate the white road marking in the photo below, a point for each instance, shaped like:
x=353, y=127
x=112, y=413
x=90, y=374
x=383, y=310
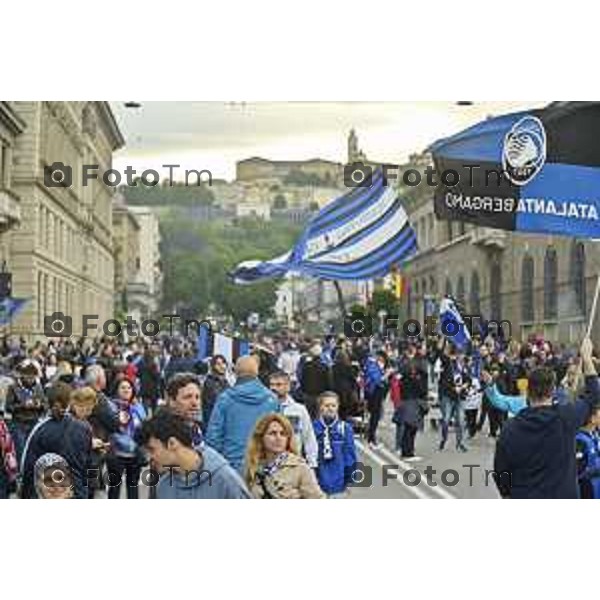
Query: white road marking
x=438, y=489
x=376, y=459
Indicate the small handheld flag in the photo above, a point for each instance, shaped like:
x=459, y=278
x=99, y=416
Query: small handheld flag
x=452, y=324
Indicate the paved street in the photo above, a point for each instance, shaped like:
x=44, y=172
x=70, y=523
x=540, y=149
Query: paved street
x=471, y=481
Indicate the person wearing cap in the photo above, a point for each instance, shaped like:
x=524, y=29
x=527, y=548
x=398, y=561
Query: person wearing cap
x=25, y=403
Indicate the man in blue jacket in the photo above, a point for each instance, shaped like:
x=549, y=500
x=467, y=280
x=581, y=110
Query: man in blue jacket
x=536, y=455
x=236, y=412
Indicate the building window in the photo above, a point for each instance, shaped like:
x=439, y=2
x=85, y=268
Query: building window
x=550, y=285
x=460, y=290
x=578, y=275
x=448, y=288
x=496, y=291
x=40, y=299
x=527, y=302
x=474, y=300
x=424, y=286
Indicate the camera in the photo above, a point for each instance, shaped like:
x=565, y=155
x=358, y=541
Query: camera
x=360, y=475
x=58, y=175
x=358, y=326
x=358, y=175
x=58, y=325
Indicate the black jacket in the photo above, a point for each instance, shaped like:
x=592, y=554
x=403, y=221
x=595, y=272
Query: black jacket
x=535, y=455
x=213, y=385
x=68, y=437
x=104, y=418
x=315, y=377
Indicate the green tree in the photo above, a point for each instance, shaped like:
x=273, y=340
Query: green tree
x=279, y=202
x=198, y=257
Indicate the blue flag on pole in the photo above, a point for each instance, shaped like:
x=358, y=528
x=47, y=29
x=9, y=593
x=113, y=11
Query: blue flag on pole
x=361, y=235
x=10, y=308
x=534, y=171
x=452, y=324
x=203, y=343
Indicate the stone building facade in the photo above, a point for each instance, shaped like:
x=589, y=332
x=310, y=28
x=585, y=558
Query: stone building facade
x=11, y=127
x=144, y=293
x=539, y=283
x=126, y=241
x=61, y=256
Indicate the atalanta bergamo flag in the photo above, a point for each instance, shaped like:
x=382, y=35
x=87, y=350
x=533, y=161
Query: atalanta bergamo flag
x=535, y=171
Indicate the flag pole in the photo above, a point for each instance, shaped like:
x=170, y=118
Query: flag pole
x=594, y=307
x=340, y=296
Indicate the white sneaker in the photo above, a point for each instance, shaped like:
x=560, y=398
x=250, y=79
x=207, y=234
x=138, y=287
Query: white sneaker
x=413, y=459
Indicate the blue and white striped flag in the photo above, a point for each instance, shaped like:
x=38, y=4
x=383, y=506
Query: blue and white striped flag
x=452, y=324
x=360, y=235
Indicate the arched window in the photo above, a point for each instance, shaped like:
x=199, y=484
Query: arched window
x=474, y=300
x=578, y=275
x=527, y=301
x=550, y=284
x=448, y=288
x=460, y=290
x=496, y=292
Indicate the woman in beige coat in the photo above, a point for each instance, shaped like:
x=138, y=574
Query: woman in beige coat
x=273, y=469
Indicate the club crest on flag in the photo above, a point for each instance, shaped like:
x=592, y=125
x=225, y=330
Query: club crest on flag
x=524, y=151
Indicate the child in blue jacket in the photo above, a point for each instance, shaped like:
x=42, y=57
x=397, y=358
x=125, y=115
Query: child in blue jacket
x=337, y=453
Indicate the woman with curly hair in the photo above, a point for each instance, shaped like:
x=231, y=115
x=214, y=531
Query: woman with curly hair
x=273, y=468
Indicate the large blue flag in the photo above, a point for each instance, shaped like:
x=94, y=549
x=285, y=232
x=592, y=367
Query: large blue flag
x=10, y=308
x=535, y=171
x=452, y=324
x=361, y=235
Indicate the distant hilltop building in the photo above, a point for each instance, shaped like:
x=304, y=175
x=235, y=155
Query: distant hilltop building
x=291, y=171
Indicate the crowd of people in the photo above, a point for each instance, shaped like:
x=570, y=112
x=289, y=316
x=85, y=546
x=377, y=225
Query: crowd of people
x=87, y=419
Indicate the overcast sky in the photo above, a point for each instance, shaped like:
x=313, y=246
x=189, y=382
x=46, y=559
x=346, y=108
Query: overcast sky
x=214, y=135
